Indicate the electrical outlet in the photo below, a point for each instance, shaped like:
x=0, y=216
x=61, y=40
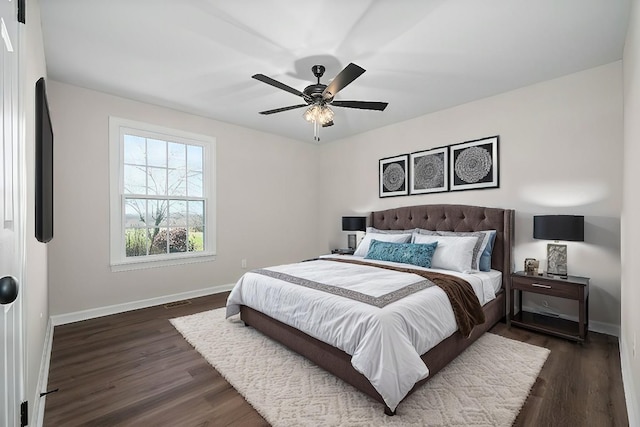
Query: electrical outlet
x=243, y=263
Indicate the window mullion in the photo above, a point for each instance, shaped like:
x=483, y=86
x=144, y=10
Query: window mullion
x=152, y=197
x=186, y=171
x=166, y=195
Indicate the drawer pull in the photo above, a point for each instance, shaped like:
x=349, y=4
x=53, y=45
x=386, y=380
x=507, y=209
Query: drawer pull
x=538, y=285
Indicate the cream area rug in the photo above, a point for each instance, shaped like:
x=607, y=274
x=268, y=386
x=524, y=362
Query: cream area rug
x=485, y=386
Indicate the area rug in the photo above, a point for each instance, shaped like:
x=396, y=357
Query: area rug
x=485, y=386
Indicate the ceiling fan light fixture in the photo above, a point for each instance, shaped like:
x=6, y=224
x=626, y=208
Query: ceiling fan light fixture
x=320, y=114
x=310, y=113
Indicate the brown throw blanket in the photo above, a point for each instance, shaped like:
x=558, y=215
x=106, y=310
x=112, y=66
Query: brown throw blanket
x=466, y=307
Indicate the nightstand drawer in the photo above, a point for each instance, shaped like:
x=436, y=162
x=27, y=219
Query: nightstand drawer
x=546, y=287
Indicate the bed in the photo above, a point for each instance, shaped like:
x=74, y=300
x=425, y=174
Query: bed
x=441, y=218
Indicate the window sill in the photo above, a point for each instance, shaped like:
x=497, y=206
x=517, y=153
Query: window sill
x=138, y=264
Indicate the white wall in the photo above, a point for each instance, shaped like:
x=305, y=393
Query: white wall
x=266, y=199
x=560, y=152
x=630, y=227
x=35, y=302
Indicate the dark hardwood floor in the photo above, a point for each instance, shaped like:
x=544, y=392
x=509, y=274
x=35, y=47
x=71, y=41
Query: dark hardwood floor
x=136, y=369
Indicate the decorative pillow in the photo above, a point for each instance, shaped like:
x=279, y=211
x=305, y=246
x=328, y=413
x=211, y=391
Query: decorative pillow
x=363, y=247
x=453, y=252
x=407, y=253
x=485, y=258
x=478, y=250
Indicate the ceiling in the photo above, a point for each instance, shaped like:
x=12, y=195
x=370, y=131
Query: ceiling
x=421, y=56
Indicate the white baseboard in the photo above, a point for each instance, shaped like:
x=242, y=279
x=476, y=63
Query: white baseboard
x=602, y=327
x=63, y=319
x=594, y=325
x=37, y=412
x=631, y=390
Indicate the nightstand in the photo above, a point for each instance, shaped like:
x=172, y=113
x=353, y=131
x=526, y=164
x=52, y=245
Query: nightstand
x=573, y=287
x=342, y=251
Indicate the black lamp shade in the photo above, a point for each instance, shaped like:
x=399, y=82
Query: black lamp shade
x=354, y=223
x=559, y=227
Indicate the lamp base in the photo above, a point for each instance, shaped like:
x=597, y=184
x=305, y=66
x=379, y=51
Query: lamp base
x=351, y=241
x=557, y=260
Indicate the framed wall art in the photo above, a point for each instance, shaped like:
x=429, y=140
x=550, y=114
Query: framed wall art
x=474, y=164
x=393, y=175
x=429, y=171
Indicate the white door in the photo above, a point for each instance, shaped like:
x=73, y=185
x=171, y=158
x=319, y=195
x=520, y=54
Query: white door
x=11, y=223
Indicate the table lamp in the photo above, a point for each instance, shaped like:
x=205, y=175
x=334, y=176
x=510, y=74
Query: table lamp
x=353, y=223
x=558, y=227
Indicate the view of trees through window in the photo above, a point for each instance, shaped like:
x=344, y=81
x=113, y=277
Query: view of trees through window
x=163, y=196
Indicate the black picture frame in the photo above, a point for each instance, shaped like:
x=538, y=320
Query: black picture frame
x=429, y=171
x=43, y=165
x=474, y=164
x=393, y=176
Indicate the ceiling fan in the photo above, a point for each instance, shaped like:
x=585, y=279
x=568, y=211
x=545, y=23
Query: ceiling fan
x=318, y=97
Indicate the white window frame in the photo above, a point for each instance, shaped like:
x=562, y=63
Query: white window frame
x=118, y=127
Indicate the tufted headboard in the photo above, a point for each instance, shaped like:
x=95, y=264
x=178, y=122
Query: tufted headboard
x=456, y=218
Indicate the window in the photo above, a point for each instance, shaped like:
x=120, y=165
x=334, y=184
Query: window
x=162, y=196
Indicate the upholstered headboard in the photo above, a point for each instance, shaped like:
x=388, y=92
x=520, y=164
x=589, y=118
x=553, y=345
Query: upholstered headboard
x=456, y=218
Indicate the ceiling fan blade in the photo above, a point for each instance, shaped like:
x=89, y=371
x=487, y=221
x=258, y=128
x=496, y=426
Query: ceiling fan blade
x=275, y=83
x=364, y=105
x=279, y=110
x=346, y=76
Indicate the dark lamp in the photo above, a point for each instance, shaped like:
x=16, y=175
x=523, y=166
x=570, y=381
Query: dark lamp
x=558, y=227
x=353, y=223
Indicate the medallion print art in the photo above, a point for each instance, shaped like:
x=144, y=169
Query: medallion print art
x=393, y=177
x=473, y=164
x=429, y=171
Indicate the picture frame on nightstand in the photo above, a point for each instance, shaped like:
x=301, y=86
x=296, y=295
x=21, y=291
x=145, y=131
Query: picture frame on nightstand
x=531, y=266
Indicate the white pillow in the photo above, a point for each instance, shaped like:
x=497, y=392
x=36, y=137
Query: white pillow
x=478, y=250
x=363, y=247
x=452, y=253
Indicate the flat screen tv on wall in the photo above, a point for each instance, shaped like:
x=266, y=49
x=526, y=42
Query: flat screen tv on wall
x=44, y=165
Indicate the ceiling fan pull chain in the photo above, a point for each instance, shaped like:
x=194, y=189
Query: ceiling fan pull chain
x=316, y=131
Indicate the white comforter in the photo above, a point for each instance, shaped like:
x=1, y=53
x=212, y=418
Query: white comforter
x=385, y=343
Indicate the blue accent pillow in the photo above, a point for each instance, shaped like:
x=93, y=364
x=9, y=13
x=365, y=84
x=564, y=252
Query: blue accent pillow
x=485, y=258
x=408, y=253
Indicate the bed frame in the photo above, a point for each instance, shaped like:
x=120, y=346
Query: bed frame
x=430, y=217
